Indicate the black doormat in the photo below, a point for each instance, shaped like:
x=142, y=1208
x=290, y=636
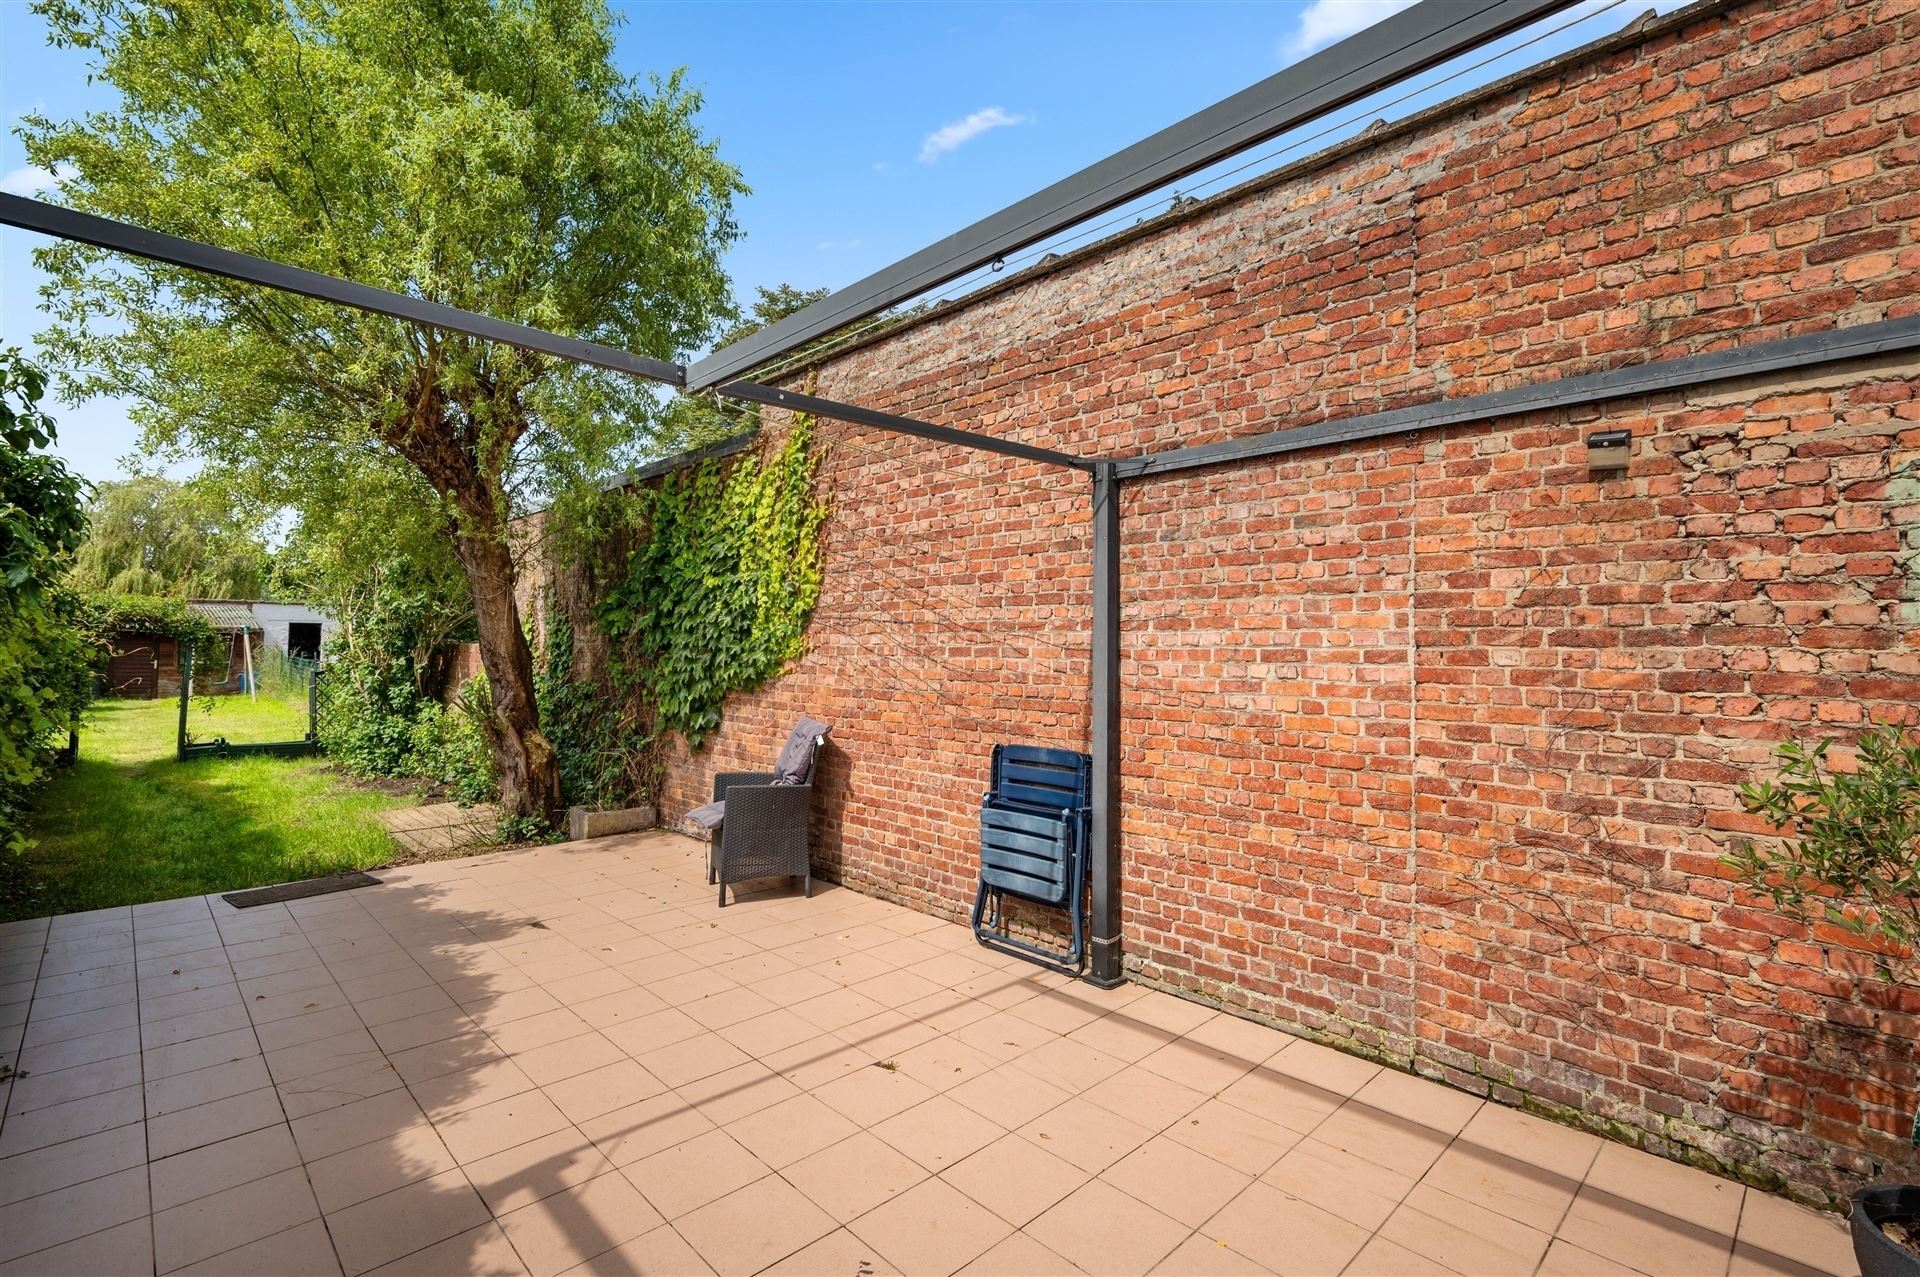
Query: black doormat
x=300, y=890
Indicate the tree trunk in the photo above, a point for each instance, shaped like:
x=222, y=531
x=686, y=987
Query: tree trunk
x=523, y=758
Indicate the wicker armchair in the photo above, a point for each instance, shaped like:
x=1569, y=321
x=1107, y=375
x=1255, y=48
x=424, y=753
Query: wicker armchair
x=764, y=830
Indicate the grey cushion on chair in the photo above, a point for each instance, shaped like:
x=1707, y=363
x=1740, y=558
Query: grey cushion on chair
x=795, y=763
x=793, y=767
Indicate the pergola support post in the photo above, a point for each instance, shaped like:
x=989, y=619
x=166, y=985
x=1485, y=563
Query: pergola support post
x=1104, y=849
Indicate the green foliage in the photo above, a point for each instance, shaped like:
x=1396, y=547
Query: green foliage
x=447, y=746
x=717, y=595
x=46, y=655
x=487, y=154
x=153, y=535
x=384, y=669
x=110, y=614
x=1849, y=846
x=604, y=749
x=693, y=421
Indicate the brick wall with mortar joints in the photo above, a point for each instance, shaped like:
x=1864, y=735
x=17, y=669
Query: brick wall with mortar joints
x=1369, y=863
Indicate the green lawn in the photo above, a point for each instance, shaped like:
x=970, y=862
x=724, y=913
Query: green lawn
x=128, y=823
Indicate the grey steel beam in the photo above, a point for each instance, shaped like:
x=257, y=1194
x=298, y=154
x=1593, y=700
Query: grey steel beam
x=1104, y=952
x=681, y=460
x=1857, y=342
x=1405, y=44
x=172, y=250
x=774, y=397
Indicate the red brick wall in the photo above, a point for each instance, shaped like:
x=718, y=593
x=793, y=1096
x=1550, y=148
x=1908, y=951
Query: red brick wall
x=1431, y=743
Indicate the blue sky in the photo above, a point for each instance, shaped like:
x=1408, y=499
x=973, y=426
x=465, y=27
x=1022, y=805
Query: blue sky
x=865, y=130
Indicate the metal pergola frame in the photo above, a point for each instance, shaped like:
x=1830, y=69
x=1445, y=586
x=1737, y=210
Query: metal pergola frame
x=1378, y=57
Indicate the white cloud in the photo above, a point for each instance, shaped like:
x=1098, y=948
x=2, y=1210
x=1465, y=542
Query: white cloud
x=31, y=179
x=1325, y=22
x=950, y=137
x=836, y=245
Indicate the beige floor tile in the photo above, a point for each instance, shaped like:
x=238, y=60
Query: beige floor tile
x=1323, y=1067
x=319, y=1092
x=578, y=1223
x=790, y=1130
x=604, y=1089
x=204, y=1086
x=1558, y=1149
x=838, y=1252
x=384, y=1228
x=1382, y=1139
x=227, y=1164
x=58, y=1123
x=854, y=1176
x=730, y=1095
x=474, y=1133
x=1103, y=1230
x=931, y=1228
x=569, y=1057
x=1004, y=1036
x=1019, y=1256
x=305, y=1250
x=544, y=1029
x=409, y=1154
x=124, y=1248
x=944, y=1063
x=478, y=1252
x=449, y=1055
x=1176, y=1181
x=1464, y=1237
x=1147, y=1098
x=1232, y=1135
x=72, y=1162
x=1358, y=1191
x=1669, y=1187
x=638, y=1130
x=938, y=1132
x=67, y=1214
x=1016, y=1178
x=692, y=1059
x=539, y=1168
x=872, y=1094
x=356, y=1123
x=1383, y=1258
x=1285, y=1234
x=1008, y=1096
x=754, y=1226
x=1776, y=1227
x=1091, y=1137
x=1563, y=1259
x=1434, y=1105
x=763, y=1034
x=686, y=1176
x=211, y=1123
x=1072, y=1066
x=1534, y=1196
x=622, y=1007
x=296, y=1030
x=470, y=1088
x=1283, y=1099
x=421, y=1030
x=219, y=1222
x=1642, y=1237
x=661, y=1250
x=1203, y=1257
x=1118, y=1035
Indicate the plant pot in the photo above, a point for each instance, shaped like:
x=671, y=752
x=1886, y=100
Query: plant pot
x=1878, y=1254
x=584, y=822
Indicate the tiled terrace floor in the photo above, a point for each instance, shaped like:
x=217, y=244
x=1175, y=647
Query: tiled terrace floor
x=569, y=1060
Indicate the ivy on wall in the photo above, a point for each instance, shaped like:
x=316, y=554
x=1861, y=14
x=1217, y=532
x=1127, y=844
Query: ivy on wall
x=718, y=590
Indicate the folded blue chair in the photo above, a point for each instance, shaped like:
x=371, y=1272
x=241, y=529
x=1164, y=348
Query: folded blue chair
x=1034, y=826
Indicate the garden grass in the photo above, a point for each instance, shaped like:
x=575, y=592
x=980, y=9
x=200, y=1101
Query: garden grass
x=129, y=823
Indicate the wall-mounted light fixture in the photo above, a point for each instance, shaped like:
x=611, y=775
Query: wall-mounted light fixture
x=1609, y=449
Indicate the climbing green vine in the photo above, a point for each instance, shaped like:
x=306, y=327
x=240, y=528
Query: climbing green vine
x=719, y=588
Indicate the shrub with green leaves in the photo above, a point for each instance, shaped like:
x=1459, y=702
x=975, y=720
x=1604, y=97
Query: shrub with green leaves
x=47, y=654
x=447, y=746
x=717, y=594
x=1848, y=844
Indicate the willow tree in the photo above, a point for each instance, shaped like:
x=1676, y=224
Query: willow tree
x=482, y=153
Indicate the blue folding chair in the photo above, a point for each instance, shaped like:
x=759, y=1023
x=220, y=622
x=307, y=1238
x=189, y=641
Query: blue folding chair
x=1034, y=825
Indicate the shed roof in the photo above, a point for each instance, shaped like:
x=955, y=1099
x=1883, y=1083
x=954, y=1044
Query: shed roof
x=224, y=615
